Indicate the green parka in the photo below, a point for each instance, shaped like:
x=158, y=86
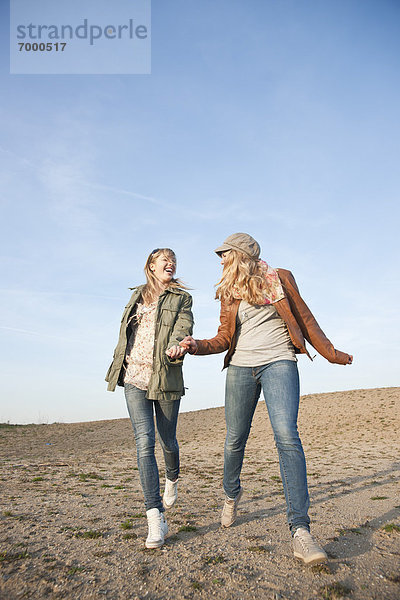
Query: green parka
x=173, y=322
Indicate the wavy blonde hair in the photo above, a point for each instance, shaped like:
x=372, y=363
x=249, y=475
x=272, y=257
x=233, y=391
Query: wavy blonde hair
x=242, y=277
x=153, y=288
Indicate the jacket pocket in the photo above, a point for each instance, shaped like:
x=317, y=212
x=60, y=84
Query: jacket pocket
x=171, y=378
x=168, y=317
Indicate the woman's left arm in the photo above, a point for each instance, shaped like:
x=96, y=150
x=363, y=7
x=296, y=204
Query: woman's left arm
x=309, y=325
x=183, y=326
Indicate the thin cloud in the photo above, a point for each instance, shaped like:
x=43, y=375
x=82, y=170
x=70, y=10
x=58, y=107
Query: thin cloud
x=43, y=335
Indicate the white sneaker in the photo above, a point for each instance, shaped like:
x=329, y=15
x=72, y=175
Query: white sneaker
x=158, y=528
x=307, y=549
x=170, y=493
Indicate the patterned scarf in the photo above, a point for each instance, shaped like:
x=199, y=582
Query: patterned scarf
x=274, y=290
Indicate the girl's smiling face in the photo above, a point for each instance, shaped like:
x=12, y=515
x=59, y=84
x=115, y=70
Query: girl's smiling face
x=163, y=268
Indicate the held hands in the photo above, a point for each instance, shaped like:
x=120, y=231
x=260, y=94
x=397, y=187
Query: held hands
x=175, y=352
x=350, y=361
x=189, y=344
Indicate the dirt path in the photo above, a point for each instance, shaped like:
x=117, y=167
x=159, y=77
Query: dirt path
x=73, y=522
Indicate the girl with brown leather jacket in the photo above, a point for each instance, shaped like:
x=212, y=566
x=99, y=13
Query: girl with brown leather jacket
x=263, y=324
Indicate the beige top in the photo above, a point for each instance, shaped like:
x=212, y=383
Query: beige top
x=262, y=337
x=139, y=352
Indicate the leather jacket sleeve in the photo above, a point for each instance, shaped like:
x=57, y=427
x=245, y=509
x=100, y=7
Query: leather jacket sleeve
x=225, y=333
x=307, y=322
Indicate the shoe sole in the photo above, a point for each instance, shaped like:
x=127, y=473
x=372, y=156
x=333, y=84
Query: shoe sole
x=238, y=497
x=313, y=561
x=154, y=545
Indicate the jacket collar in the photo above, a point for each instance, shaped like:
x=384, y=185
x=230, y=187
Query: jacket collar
x=173, y=290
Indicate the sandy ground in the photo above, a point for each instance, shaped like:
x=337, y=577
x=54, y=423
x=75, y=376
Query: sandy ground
x=73, y=522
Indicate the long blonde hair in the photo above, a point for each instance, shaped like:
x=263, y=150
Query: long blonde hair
x=243, y=278
x=152, y=288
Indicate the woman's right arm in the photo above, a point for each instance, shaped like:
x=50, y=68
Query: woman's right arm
x=221, y=341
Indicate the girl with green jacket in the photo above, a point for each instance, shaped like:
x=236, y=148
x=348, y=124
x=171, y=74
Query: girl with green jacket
x=148, y=364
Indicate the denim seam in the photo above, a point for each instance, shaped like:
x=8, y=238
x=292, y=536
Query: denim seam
x=289, y=501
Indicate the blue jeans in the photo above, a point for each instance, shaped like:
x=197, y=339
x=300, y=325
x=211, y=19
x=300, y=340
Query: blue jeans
x=141, y=413
x=280, y=384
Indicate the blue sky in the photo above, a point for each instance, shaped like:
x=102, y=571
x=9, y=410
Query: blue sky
x=278, y=118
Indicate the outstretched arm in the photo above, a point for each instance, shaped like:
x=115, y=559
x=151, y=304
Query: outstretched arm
x=309, y=325
x=222, y=340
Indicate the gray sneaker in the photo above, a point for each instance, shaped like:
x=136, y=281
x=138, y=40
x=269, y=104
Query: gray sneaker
x=307, y=549
x=229, y=512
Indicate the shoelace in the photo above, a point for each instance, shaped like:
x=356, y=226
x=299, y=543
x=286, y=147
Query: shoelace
x=308, y=544
x=229, y=507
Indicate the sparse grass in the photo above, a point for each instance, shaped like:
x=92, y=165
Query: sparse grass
x=214, y=560
x=390, y=527
x=74, y=570
x=127, y=524
x=335, y=590
x=91, y=475
x=129, y=536
x=259, y=549
x=275, y=478
x=137, y=516
x=379, y=497
x=187, y=528
x=217, y=581
x=118, y=487
x=345, y=531
x=12, y=556
x=70, y=528
x=8, y=513
x=196, y=585
x=90, y=534
x=323, y=568
x=39, y=478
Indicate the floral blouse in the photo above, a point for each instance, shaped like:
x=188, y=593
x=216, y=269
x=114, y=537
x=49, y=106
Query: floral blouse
x=139, y=354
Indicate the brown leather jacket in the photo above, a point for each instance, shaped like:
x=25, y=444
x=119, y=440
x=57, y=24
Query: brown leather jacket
x=293, y=310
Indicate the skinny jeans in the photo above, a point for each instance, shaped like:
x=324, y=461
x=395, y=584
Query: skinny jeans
x=279, y=382
x=141, y=412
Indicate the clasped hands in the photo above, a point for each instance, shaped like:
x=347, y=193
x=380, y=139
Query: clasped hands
x=188, y=344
